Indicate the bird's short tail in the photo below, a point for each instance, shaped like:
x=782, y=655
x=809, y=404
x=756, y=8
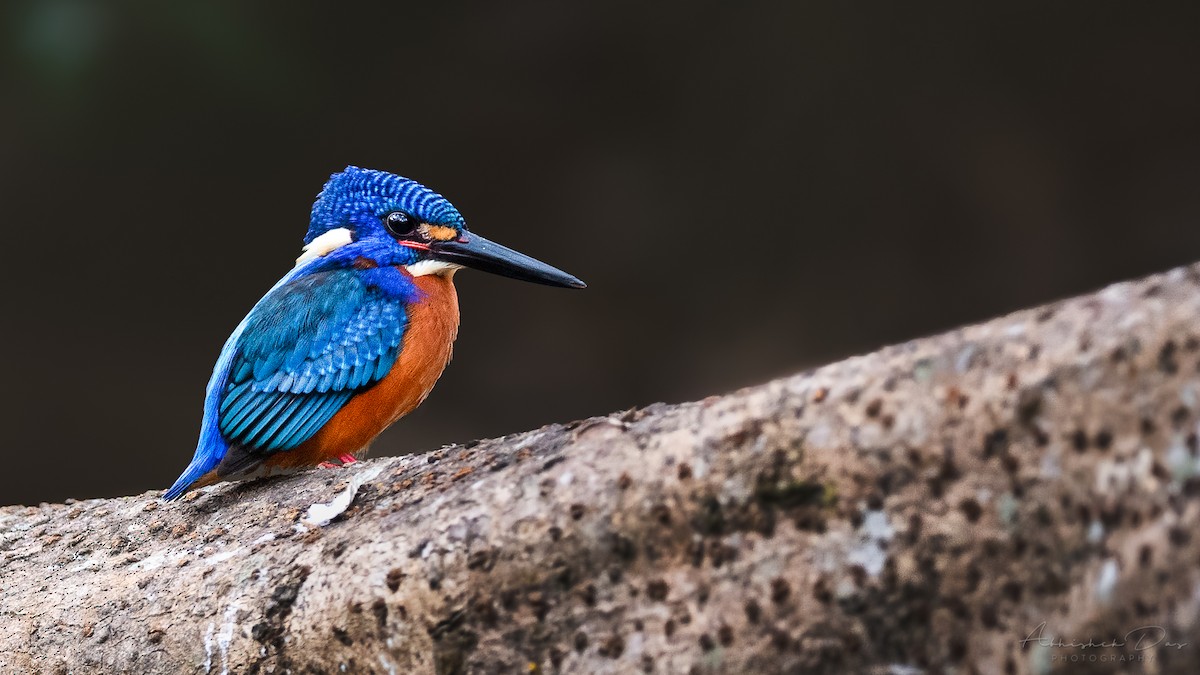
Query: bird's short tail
x=195, y=471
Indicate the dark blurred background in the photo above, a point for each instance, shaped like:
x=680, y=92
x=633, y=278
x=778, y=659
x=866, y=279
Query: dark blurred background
x=749, y=189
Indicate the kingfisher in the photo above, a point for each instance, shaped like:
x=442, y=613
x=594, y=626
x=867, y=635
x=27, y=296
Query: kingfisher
x=352, y=338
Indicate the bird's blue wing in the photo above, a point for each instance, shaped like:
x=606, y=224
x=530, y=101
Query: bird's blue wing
x=307, y=348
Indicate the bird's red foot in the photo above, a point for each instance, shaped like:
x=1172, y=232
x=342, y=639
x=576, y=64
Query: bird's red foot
x=346, y=460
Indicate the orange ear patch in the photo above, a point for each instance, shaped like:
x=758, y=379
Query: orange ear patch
x=439, y=232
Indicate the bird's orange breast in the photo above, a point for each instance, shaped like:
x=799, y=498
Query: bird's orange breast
x=424, y=352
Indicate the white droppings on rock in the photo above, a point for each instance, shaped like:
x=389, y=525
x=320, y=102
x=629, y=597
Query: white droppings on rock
x=269, y=536
x=208, y=646
x=1143, y=469
x=876, y=526
x=1006, y=508
x=320, y=515
x=1106, y=583
x=566, y=478
x=225, y=637
x=1095, y=533
x=875, y=532
x=1181, y=462
x=1138, y=472
x=870, y=555
x=1115, y=293
x=221, y=557
x=635, y=644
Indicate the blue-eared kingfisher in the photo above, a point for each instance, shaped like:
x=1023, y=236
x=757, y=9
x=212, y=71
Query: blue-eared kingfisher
x=352, y=338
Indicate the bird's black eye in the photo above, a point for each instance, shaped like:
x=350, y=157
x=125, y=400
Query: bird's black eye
x=399, y=223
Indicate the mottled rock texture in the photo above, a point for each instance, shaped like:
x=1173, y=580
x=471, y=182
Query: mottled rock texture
x=925, y=508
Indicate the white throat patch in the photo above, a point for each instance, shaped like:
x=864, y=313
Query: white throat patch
x=425, y=267
x=324, y=245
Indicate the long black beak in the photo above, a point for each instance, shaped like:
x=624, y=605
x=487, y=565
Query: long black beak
x=472, y=250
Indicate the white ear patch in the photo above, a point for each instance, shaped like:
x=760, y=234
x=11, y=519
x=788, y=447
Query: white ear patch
x=425, y=267
x=324, y=244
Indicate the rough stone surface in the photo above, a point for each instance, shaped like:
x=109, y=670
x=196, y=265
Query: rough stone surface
x=921, y=509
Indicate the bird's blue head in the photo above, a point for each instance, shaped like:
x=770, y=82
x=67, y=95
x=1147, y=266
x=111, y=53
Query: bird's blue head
x=360, y=199
x=363, y=216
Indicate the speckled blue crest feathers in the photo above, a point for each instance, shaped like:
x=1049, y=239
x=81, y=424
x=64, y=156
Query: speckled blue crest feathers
x=355, y=194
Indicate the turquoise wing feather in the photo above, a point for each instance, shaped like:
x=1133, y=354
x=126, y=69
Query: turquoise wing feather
x=308, y=347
